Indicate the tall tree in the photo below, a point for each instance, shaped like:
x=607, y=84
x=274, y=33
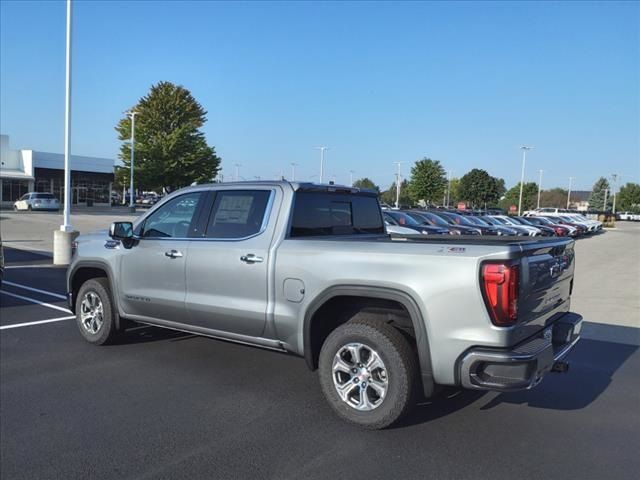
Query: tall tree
x=529, y=196
x=480, y=188
x=628, y=198
x=366, y=183
x=428, y=181
x=170, y=149
x=596, y=199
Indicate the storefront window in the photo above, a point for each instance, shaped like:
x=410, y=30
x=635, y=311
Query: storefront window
x=12, y=190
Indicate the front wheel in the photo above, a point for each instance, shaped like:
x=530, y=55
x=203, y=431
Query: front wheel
x=95, y=313
x=367, y=372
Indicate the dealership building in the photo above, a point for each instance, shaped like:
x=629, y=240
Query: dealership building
x=23, y=171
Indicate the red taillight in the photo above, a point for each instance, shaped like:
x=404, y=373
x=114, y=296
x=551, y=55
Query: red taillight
x=500, y=283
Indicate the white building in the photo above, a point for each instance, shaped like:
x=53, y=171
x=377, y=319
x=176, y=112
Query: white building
x=23, y=171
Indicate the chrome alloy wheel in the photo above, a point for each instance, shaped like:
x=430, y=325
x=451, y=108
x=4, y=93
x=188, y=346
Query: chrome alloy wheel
x=91, y=313
x=360, y=376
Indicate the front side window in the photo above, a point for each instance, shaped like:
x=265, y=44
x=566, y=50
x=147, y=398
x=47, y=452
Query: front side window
x=174, y=218
x=237, y=213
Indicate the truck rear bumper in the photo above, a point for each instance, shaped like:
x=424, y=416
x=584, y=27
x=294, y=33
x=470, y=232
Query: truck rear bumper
x=523, y=366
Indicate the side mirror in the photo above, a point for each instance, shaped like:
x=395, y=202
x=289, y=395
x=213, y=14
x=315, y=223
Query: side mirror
x=121, y=230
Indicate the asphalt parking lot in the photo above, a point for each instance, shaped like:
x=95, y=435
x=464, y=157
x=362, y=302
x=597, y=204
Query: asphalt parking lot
x=162, y=404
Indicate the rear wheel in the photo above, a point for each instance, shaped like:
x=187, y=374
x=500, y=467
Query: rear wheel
x=367, y=372
x=95, y=313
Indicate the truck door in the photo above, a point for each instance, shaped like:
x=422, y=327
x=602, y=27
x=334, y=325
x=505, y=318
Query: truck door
x=152, y=273
x=227, y=269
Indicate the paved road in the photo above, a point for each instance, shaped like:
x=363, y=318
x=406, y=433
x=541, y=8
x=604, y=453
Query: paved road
x=168, y=405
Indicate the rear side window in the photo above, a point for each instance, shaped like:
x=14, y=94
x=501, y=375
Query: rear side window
x=324, y=213
x=43, y=195
x=237, y=213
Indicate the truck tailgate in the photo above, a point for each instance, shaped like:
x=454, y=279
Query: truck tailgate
x=546, y=282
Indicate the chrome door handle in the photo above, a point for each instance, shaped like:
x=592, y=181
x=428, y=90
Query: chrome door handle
x=251, y=258
x=173, y=254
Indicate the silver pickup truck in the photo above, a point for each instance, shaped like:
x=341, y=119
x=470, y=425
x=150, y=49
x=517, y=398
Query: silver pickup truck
x=309, y=269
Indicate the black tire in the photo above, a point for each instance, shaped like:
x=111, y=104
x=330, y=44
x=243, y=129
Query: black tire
x=401, y=367
x=107, y=333
x=29, y=208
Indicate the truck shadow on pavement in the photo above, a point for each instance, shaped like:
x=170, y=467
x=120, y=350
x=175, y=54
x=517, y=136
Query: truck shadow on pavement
x=593, y=366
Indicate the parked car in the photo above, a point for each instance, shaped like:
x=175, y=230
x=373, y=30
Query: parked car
x=506, y=220
x=581, y=229
x=309, y=269
x=398, y=230
x=403, y=220
x=560, y=230
x=629, y=216
x=545, y=230
x=464, y=227
x=499, y=229
x=37, y=201
x=519, y=229
x=429, y=218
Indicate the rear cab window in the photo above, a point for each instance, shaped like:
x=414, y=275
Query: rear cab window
x=333, y=213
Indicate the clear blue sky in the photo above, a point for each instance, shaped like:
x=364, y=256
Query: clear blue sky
x=464, y=83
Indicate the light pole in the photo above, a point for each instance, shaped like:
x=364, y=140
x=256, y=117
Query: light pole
x=448, y=188
x=132, y=115
x=322, y=149
x=614, y=177
x=351, y=172
x=604, y=204
x=539, y=188
x=63, y=238
x=524, y=149
x=237, y=165
x=398, y=176
x=293, y=171
x=569, y=192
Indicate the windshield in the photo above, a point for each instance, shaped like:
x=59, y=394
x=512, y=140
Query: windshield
x=435, y=219
x=459, y=219
x=523, y=221
x=500, y=221
x=403, y=219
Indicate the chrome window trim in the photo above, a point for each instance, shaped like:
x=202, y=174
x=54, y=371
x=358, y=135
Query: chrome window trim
x=263, y=226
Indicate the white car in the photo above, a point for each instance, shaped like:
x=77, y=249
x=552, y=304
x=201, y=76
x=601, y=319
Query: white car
x=37, y=201
x=592, y=225
x=629, y=216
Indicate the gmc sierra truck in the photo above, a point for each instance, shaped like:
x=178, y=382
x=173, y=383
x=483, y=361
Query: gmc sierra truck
x=310, y=269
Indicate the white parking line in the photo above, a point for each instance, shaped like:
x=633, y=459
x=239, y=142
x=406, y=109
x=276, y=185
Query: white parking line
x=37, y=290
x=38, y=322
x=33, y=300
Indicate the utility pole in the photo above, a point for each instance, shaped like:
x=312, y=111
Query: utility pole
x=524, y=149
x=569, y=192
x=237, y=176
x=132, y=115
x=293, y=171
x=322, y=149
x=539, y=188
x=398, y=179
x=614, y=177
x=351, y=172
x=65, y=235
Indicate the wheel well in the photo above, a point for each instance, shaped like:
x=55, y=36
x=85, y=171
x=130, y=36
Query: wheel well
x=340, y=309
x=82, y=275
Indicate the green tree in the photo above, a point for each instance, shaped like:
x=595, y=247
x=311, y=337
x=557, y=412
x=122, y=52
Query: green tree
x=389, y=195
x=529, y=196
x=366, y=183
x=628, y=198
x=480, y=189
x=596, y=199
x=170, y=150
x=454, y=191
x=428, y=181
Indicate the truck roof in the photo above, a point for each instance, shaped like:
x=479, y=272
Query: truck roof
x=295, y=186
